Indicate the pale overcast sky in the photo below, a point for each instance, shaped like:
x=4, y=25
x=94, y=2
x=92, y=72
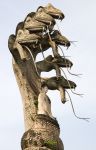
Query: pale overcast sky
x=79, y=25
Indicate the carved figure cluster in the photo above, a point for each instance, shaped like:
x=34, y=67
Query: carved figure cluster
x=35, y=35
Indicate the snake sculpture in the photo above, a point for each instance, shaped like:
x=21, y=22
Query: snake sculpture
x=34, y=35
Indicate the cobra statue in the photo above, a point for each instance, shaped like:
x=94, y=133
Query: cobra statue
x=35, y=35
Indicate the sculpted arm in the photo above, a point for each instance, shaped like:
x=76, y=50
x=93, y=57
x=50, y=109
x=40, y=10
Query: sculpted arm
x=44, y=105
x=41, y=103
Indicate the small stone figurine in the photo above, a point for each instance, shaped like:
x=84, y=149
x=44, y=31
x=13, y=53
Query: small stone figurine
x=44, y=103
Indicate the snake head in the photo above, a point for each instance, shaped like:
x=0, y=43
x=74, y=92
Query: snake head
x=52, y=11
x=66, y=84
x=42, y=16
x=63, y=62
x=33, y=25
x=53, y=83
x=60, y=39
x=23, y=36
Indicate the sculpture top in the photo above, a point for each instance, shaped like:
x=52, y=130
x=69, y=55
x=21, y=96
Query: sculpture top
x=35, y=35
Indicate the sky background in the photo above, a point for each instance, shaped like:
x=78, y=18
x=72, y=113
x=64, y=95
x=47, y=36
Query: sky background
x=79, y=25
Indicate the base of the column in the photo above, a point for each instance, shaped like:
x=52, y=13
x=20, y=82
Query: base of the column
x=43, y=136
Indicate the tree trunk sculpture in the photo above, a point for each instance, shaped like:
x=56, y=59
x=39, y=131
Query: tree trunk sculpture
x=35, y=35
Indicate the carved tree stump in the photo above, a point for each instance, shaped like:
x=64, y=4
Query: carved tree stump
x=35, y=35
